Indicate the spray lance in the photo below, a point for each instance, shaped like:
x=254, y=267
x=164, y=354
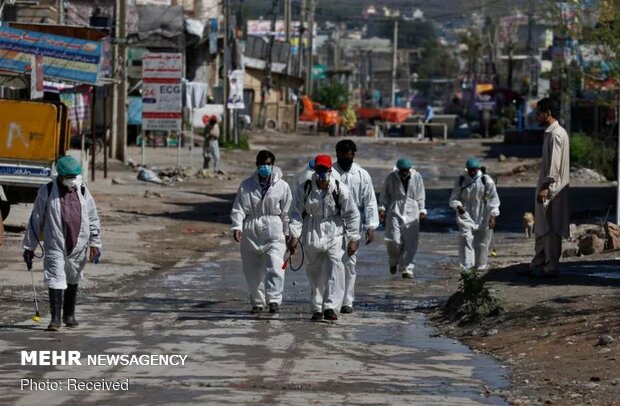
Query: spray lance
x=28, y=257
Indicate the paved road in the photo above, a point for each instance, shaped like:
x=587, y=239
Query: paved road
x=383, y=354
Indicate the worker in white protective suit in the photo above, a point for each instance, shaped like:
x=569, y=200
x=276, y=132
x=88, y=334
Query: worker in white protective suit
x=260, y=224
x=359, y=182
x=65, y=217
x=402, y=207
x=475, y=200
x=324, y=213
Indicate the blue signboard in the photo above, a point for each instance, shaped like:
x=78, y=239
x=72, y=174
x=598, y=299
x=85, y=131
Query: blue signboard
x=64, y=58
x=24, y=170
x=134, y=116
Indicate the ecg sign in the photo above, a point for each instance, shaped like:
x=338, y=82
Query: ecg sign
x=28, y=131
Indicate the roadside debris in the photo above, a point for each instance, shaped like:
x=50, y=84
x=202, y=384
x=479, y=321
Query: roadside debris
x=148, y=194
x=148, y=175
x=604, y=340
x=587, y=175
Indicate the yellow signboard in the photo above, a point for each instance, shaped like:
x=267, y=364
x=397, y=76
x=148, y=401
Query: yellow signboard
x=31, y=131
x=483, y=87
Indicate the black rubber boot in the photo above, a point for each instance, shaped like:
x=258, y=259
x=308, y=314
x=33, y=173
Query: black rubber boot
x=317, y=316
x=330, y=315
x=68, y=309
x=55, y=309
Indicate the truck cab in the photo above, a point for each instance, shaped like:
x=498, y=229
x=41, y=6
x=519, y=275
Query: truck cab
x=33, y=135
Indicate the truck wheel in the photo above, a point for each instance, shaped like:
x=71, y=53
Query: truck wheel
x=5, y=208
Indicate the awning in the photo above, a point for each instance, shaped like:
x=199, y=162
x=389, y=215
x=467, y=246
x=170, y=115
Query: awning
x=64, y=58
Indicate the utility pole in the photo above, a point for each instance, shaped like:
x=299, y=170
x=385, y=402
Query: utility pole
x=510, y=65
x=119, y=110
x=310, y=62
x=300, y=45
x=226, y=69
x=267, y=80
x=337, y=47
x=394, y=63
x=61, y=12
x=288, y=17
x=530, y=48
x=369, y=76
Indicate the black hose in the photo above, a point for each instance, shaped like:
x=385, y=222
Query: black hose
x=288, y=263
x=38, y=240
x=301, y=263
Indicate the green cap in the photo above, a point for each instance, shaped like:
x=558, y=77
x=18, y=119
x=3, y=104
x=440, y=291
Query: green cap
x=68, y=166
x=473, y=163
x=404, y=163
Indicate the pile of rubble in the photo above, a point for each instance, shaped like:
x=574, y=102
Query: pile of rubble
x=590, y=239
x=587, y=175
x=170, y=176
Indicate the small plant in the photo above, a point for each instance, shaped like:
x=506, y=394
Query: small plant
x=474, y=300
x=479, y=300
x=244, y=144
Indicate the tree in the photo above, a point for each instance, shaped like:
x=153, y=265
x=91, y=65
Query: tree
x=333, y=95
x=473, y=54
x=439, y=62
x=411, y=34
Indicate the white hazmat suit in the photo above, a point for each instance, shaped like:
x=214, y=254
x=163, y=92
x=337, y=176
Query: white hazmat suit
x=478, y=197
x=321, y=226
x=359, y=182
x=402, y=218
x=263, y=221
x=59, y=268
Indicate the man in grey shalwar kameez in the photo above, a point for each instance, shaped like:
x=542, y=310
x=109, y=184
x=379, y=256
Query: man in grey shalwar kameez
x=551, y=210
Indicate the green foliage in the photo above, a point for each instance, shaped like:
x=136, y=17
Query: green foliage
x=332, y=95
x=580, y=147
x=411, y=34
x=595, y=153
x=603, y=32
x=244, y=143
x=473, y=300
x=474, y=48
x=506, y=119
x=438, y=62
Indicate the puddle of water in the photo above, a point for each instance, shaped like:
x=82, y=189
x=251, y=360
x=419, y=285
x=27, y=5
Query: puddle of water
x=418, y=336
x=596, y=270
x=606, y=275
x=443, y=215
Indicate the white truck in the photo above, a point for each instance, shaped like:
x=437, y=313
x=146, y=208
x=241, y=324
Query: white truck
x=33, y=135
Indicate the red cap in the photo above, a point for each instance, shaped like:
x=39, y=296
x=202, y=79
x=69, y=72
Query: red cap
x=323, y=160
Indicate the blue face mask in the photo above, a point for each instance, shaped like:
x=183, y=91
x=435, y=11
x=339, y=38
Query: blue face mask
x=265, y=170
x=322, y=175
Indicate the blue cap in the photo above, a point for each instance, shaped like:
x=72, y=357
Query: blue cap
x=473, y=163
x=404, y=163
x=68, y=166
